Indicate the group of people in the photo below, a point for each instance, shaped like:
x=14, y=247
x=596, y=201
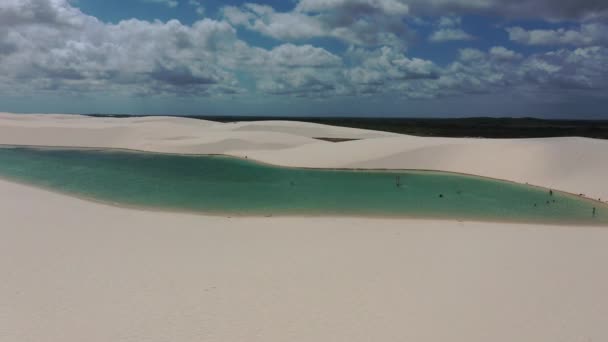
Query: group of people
x=593, y=211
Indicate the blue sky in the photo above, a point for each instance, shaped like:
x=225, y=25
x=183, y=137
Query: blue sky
x=422, y=58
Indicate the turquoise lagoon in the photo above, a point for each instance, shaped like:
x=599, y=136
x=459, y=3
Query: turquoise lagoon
x=231, y=186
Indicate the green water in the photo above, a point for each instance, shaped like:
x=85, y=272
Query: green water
x=230, y=186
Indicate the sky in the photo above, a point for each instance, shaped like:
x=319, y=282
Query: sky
x=373, y=58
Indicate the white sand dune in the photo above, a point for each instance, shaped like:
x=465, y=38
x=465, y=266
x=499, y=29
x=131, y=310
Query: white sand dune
x=73, y=270
x=80, y=271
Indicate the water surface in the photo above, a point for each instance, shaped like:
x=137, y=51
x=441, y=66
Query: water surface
x=230, y=186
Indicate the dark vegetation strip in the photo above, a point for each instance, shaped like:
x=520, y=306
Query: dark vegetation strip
x=482, y=127
x=335, y=140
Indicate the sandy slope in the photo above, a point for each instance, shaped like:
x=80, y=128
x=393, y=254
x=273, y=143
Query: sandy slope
x=577, y=165
x=77, y=271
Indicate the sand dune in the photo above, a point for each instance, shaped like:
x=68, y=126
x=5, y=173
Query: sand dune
x=576, y=165
x=74, y=270
x=79, y=271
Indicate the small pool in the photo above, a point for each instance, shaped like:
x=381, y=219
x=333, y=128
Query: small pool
x=231, y=186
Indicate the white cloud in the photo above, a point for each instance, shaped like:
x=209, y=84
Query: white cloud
x=449, y=30
x=382, y=22
x=469, y=54
x=302, y=56
x=283, y=26
x=303, y=71
x=50, y=46
x=504, y=54
x=76, y=51
x=587, y=34
x=582, y=68
x=358, y=22
x=550, y=72
x=301, y=83
x=386, y=70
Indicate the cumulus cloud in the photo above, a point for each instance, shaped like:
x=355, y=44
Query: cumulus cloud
x=386, y=63
x=298, y=70
x=585, y=35
x=582, y=68
x=71, y=50
x=448, y=29
x=51, y=46
x=302, y=56
x=300, y=82
x=469, y=54
x=551, y=72
x=500, y=70
x=283, y=26
x=504, y=54
x=381, y=22
x=359, y=22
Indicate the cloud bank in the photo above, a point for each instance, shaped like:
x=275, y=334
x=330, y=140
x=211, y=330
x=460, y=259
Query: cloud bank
x=50, y=46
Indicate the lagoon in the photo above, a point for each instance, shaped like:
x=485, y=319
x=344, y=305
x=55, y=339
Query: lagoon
x=230, y=186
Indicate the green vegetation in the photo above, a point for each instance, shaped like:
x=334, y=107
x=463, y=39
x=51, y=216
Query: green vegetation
x=462, y=127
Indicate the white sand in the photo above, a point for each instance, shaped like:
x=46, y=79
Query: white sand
x=74, y=270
